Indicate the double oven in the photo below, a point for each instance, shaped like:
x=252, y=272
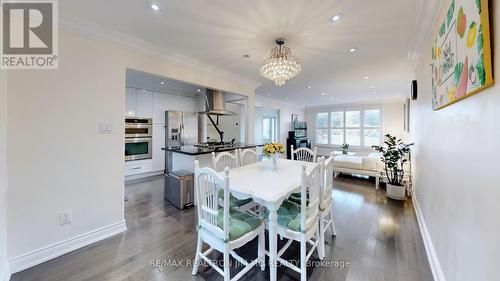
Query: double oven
x=138, y=138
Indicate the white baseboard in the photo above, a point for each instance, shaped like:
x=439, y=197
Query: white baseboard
x=437, y=272
x=44, y=254
x=4, y=271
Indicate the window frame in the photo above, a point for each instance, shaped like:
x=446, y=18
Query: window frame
x=344, y=127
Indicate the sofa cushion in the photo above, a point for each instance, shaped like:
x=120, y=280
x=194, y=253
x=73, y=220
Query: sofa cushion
x=348, y=161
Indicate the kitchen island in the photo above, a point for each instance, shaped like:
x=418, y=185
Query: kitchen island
x=183, y=157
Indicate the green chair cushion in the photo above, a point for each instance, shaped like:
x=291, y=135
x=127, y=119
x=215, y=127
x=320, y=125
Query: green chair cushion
x=234, y=202
x=239, y=223
x=296, y=198
x=288, y=215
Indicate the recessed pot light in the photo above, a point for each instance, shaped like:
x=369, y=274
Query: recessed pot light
x=198, y=90
x=336, y=17
x=352, y=50
x=155, y=7
x=366, y=77
x=323, y=94
x=309, y=87
x=163, y=83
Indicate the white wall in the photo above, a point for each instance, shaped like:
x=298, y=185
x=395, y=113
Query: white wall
x=286, y=109
x=56, y=159
x=457, y=174
x=4, y=266
x=392, y=122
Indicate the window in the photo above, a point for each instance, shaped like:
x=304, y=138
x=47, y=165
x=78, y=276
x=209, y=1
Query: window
x=269, y=129
x=322, y=128
x=355, y=127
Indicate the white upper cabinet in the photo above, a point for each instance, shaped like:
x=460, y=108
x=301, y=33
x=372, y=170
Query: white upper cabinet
x=130, y=101
x=144, y=104
x=189, y=104
x=163, y=102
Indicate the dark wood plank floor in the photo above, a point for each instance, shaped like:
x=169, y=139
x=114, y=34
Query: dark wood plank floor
x=377, y=239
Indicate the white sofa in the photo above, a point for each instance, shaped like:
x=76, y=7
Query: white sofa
x=361, y=165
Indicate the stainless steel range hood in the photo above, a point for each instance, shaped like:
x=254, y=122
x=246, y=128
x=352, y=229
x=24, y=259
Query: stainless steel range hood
x=215, y=103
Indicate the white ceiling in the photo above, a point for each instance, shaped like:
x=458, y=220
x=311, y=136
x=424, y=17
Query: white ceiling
x=220, y=32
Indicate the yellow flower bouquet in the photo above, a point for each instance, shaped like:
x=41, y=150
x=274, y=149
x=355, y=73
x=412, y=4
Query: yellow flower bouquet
x=272, y=148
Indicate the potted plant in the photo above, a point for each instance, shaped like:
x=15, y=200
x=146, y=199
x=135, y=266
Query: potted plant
x=273, y=150
x=394, y=156
x=345, y=148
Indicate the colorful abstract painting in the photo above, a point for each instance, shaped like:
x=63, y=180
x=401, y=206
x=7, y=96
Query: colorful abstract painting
x=461, y=54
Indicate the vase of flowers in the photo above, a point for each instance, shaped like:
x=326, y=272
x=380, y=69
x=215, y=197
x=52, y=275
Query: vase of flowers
x=273, y=151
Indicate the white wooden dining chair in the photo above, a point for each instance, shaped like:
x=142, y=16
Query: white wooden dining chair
x=221, y=229
x=325, y=206
x=300, y=222
x=304, y=154
x=224, y=159
x=247, y=156
x=228, y=160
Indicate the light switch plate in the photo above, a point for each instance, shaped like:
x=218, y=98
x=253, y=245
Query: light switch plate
x=105, y=129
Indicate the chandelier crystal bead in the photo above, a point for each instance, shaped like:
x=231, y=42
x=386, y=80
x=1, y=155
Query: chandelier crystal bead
x=281, y=66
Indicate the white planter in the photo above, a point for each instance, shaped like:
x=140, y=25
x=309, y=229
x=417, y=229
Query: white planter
x=396, y=192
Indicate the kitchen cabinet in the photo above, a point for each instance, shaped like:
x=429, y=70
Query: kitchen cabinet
x=130, y=101
x=158, y=143
x=163, y=102
x=138, y=167
x=188, y=104
x=138, y=103
x=144, y=104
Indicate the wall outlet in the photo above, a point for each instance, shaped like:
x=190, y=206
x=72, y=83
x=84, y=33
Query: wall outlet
x=65, y=217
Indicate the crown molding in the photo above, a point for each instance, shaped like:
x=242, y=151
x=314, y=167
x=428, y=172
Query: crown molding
x=427, y=12
x=93, y=30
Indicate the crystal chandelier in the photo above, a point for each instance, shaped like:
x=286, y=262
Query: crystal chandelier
x=281, y=66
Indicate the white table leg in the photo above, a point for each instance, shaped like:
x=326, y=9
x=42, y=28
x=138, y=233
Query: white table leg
x=273, y=245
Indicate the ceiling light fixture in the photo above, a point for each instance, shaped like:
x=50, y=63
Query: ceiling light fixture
x=198, y=90
x=323, y=94
x=336, y=17
x=352, y=50
x=281, y=66
x=309, y=87
x=163, y=83
x=366, y=77
x=155, y=7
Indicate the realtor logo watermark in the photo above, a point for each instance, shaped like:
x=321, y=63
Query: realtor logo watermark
x=29, y=34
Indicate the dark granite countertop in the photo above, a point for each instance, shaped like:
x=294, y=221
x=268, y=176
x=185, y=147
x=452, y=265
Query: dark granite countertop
x=193, y=150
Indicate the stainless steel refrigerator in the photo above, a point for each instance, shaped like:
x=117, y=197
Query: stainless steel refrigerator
x=181, y=128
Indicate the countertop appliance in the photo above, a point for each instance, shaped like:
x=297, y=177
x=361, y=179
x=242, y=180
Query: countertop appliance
x=179, y=189
x=215, y=144
x=181, y=128
x=138, y=138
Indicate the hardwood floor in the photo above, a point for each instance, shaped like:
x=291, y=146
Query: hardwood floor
x=377, y=239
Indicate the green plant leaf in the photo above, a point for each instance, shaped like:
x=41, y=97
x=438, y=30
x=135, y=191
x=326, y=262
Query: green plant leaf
x=480, y=70
x=458, y=71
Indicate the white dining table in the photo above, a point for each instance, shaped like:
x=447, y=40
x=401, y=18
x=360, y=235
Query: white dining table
x=268, y=187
